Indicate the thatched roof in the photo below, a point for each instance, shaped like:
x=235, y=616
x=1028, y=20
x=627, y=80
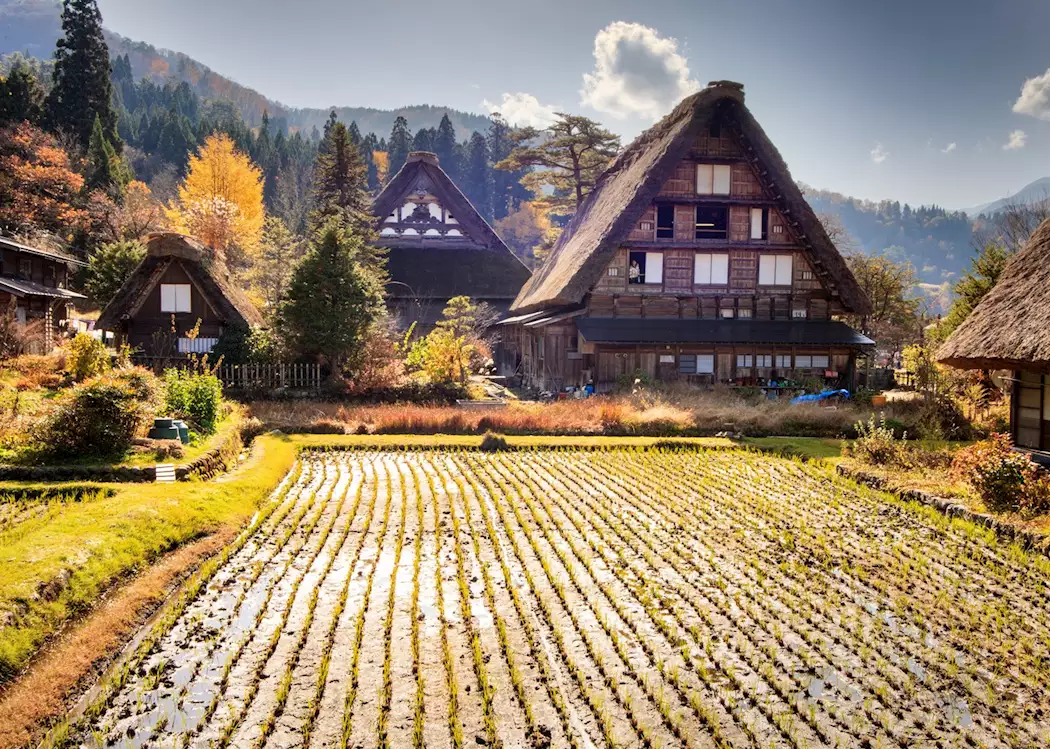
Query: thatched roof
x=1010, y=327
x=478, y=264
x=210, y=275
x=629, y=185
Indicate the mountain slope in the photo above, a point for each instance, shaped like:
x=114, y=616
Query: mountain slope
x=1031, y=193
x=32, y=26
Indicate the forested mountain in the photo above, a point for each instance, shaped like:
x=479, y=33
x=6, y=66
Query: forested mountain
x=32, y=26
x=1033, y=192
x=937, y=242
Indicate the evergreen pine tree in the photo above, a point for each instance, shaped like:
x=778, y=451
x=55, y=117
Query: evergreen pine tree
x=82, y=89
x=328, y=125
x=331, y=301
x=369, y=145
x=399, y=145
x=477, y=177
x=102, y=172
x=21, y=96
x=424, y=140
x=445, y=147
x=507, y=191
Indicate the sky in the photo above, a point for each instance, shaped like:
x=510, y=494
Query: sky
x=924, y=101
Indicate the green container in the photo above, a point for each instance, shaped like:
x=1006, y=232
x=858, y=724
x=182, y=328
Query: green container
x=184, y=432
x=160, y=433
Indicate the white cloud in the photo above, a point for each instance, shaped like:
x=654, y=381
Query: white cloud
x=879, y=154
x=949, y=148
x=1017, y=140
x=636, y=72
x=523, y=110
x=1035, y=97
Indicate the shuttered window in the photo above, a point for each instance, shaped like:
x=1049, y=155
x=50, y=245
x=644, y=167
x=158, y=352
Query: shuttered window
x=713, y=179
x=174, y=297
x=774, y=270
x=711, y=268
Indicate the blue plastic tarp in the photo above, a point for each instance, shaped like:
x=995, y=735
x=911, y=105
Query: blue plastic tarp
x=817, y=397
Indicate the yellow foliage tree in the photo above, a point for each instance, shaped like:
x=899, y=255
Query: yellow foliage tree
x=382, y=162
x=221, y=201
x=525, y=229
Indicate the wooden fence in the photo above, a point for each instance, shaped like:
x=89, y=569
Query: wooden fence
x=276, y=376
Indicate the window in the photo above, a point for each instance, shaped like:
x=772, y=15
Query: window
x=783, y=361
x=174, y=297
x=646, y=267
x=614, y=271
x=807, y=275
x=714, y=130
x=798, y=314
x=713, y=179
x=711, y=268
x=728, y=313
x=778, y=229
x=774, y=270
x=25, y=267
x=49, y=275
x=743, y=360
x=803, y=361
x=820, y=362
x=711, y=221
x=759, y=223
x=687, y=364
x=705, y=363
x=744, y=313
x=665, y=222
x=763, y=360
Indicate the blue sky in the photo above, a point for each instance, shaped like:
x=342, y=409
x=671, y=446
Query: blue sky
x=919, y=101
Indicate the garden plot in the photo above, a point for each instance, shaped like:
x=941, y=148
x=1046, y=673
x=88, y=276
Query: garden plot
x=589, y=599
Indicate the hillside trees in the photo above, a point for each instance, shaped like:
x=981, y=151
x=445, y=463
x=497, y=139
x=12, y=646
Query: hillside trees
x=477, y=176
x=221, y=201
x=508, y=193
x=82, y=89
x=566, y=160
x=21, y=95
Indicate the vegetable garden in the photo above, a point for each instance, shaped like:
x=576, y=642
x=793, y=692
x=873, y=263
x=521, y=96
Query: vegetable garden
x=589, y=598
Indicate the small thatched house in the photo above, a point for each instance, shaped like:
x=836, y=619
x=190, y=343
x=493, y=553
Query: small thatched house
x=695, y=258
x=1010, y=330
x=178, y=283
x=439, y=246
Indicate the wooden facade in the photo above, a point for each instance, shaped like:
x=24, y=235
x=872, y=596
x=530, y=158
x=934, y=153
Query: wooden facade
x=1030, y=412
x=36, y=281
x=714, y=244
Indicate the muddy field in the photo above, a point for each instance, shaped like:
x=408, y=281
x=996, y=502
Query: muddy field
x=591, y=599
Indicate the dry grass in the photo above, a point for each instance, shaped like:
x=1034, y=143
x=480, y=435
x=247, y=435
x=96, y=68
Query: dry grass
x=43, y=692
x=687, y=412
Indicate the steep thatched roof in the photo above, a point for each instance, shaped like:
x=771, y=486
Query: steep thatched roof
x=629, y=185
x=211, y=277
x=1010, y=328
x=478, y=264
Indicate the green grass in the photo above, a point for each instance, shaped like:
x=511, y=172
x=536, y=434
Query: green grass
x=82, y=551
x=805, y=447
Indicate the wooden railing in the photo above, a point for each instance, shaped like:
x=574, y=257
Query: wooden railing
x=272, y=376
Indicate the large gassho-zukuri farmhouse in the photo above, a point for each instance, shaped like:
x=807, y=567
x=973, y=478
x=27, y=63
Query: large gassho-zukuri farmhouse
x=695, y=258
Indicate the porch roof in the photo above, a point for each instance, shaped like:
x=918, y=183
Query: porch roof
x=627, y=330
x=20, y=288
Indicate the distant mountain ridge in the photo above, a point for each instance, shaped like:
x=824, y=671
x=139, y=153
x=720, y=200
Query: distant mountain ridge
x=33, y=26
x=1031, y=193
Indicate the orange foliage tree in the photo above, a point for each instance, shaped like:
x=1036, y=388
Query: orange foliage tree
x=221, y=201
x=39, y=191
x=525, y=229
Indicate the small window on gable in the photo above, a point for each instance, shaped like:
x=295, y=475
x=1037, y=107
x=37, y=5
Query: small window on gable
x=714, y=130
x=174, y=297
x=807, y=275
x=711, y=268
x=614, y=271
x=665, y=222
x=774, y=270
x=713, y=179
x=645, y=267
x=759, y=223
x=711, y=221
x=778, y=229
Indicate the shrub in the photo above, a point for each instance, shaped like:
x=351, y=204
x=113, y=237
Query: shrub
x=1007, y=481
x=86, y=357
x=876, y=443
x=493, y=443
x=941, y=419
x=193, y=396
x=98, y=418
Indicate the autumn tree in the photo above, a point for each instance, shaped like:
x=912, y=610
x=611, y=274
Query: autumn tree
x=81, y=86
x=566, y=160
x=109, y=267
x=398, y=146
x=279, y=252
x=221, y=201
x=140, y=213
x=524, y=229
x=21, y=96
x=39, y=191
x=331, y=302
x=893, y=321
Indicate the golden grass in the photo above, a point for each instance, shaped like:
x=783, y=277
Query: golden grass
x=43, y=692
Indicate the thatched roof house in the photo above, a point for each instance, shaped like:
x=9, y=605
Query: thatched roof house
x=439, y=246
x=178, y=281
x=1010, y=329
x=695, y=257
